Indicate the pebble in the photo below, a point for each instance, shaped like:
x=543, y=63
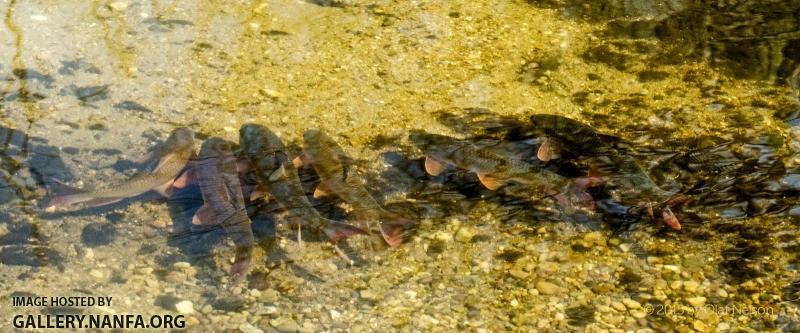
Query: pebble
x=88, y=254
x=690, y=286
x=335, y=315
x=699, y=325
x=465, y=234
x=96, y=274
x=118, y=6
x=182, y=265
x=696, y=301
x=618, y=306
x=546, y=288
x=285, y=325
x=519, y=274
x=3, y=230
x=269, y=295
x=249, y=328
x=368, y=295
x=631, y=304
x=184, y=307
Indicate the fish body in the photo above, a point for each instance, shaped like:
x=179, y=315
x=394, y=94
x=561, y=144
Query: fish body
x=276, y=172
x=218, y=179
x=172, y=157
x=495, y=170
x=328, y=160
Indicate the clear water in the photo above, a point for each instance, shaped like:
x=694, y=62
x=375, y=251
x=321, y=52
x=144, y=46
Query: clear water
x=89, y=87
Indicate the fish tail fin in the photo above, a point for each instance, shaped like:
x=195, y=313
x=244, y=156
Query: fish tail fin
x=393, y=228
x=337, y=231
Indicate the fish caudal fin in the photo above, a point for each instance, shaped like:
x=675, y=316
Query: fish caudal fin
x=434, y=167
x=337, y=231
x=490, y=182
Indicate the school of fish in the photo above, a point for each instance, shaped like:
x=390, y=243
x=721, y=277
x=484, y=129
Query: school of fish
x=525, y=161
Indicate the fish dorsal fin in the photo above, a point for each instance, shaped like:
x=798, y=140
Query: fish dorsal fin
x=322, y=190
x=490, y=182
x=433, y=167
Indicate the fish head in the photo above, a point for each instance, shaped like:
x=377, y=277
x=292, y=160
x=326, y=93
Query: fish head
x=436, y=146
x=258, y=139
x=180, y=141
x=215, y=146
x=323, y=151
x=180, y=137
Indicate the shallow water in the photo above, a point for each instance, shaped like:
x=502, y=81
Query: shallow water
x=706, y=108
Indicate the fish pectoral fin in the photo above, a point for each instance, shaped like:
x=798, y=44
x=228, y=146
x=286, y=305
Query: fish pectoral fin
x=203, y=216
x=185, y=178
x=549, y=150
x=301, y=160
x=243, y=165
x=322, y=190
x=434, y=167
x=337, y=231
x=259, y=192
x=489, y=181
x=670, y=219
x=279, y=173
x=166, y=189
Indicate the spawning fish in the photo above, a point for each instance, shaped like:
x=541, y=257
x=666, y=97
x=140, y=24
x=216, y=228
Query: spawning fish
x=495, y=170
x=564, y=135
x=275, y=171
x=629, y=179
x=327, y=158
x=172, y=158
x=224, y=205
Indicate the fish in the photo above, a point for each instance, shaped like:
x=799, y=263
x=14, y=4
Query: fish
x=495, y=170
x=565, y=137
x=172, y=157
x=218, y=179
x=562, y=135
x=275, y=171
x=329, y=160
